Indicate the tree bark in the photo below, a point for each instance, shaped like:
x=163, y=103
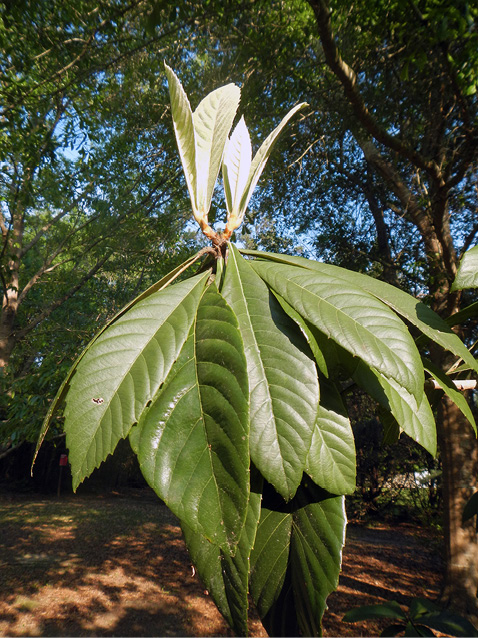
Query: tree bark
x=459, y=450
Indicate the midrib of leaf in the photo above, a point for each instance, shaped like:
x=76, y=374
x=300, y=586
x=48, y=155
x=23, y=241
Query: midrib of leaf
x=209, y=452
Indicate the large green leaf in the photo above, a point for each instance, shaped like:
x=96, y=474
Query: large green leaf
x=283, y=384
x=184, y=131
x=331, y=458
x=122, y=370
x=212, y=122
x=60, y=395
x=227, y=577
x=416, y=312
x=193, y=440
x=297, y=552
x=467, y=276
x=359, y=322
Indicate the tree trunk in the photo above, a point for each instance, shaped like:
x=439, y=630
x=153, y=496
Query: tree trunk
x=459, y=450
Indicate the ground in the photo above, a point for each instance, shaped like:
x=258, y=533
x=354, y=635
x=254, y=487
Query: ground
x=116, y=565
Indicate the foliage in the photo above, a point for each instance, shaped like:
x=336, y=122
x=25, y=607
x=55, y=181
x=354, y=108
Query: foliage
x=228, y=385
x=421, y=618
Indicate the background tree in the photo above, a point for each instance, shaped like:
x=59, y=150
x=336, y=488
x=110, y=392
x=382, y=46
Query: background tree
x=85, y=177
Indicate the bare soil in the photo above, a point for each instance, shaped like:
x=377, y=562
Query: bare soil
x=116, y=565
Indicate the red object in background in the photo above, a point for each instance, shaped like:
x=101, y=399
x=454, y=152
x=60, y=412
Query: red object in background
x=63, y=460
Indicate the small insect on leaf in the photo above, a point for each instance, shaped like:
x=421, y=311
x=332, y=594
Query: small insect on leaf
x=98, y=401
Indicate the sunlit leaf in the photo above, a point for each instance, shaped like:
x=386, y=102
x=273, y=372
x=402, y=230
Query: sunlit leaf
x=123, y=369
x=184, y=131
x=236, y=166
x=356, y=320
x=212, y=122
x=447, y=385
x=60, y=395
x=416, y=312
x=467, y=276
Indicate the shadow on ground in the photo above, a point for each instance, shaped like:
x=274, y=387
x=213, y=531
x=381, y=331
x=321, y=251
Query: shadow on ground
x=105, y=566
x=92, y=566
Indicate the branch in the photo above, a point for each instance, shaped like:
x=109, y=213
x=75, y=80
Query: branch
x=47, y=312
x=53, y=221
x=460, y=384
x=348, y=78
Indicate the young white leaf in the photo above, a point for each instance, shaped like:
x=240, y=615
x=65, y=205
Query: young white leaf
x=261, y=157
x=236, y=166
x=212, y=122
x=184, y=131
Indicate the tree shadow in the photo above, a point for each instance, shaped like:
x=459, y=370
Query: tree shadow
x=98, y=566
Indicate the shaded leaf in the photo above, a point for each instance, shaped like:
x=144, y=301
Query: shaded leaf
x=471, y=508
x=297, y=550
x=227, y=577
x=415, y=419
x=389, y=609
x=192, y=441
x=283, y=384
x=331, y=458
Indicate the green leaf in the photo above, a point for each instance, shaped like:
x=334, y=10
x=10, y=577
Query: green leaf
x=356, y=320
x=212, y=122
x=297, y=551
x=450, y=390
x=467, y=275
x=283, y=383
x=449, y=623
x=331, y=458
x=122, y=370
x=227, y=577
x=414, y=418
x=60, y=395
x=416, y=312
x=389, y=609
x=184, y=131
x=463, y=314
x=193, y=440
